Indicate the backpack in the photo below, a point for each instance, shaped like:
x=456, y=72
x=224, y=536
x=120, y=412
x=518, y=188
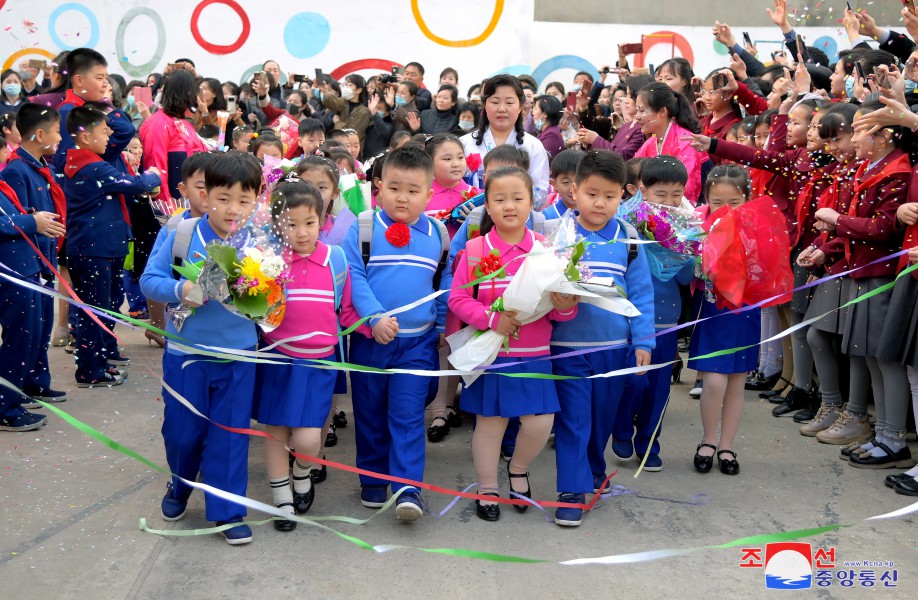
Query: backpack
x=365, y=223
x=184, y=233
x=337, y=262
x=174, y=220
x=539, y=223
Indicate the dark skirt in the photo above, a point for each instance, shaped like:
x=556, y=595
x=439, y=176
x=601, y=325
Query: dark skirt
x=827, y=297
x=899, y=338
x=497, y=396
x=865, y=319
x=292, y=395
x=144, y=228
x=800, y=300
x=727, y=330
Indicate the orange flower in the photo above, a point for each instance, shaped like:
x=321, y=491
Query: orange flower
x=275, y=293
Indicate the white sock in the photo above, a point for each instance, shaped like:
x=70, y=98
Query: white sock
x=282, y=494
x=913, y=472
x=301, y=480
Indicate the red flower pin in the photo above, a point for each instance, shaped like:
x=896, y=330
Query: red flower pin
x=398, y=235
x=473, y=161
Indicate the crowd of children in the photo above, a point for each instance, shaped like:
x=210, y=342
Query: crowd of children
x=457, y=185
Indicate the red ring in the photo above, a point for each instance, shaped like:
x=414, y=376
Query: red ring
x=216, y=48
x=663, y=37
x=363, y=63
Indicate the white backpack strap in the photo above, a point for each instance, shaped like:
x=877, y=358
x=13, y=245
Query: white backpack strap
x=365, y=234
x=184, y=232
x=173, y=222
x=444, y=251
x=474, y=220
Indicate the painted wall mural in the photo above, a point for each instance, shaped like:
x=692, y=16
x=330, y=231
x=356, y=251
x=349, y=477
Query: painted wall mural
x=229, y=39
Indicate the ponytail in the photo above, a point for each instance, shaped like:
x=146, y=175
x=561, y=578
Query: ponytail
x=659, y=96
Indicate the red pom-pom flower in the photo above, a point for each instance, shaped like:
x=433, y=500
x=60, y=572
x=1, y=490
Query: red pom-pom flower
x=398, y=235
x=473, y=161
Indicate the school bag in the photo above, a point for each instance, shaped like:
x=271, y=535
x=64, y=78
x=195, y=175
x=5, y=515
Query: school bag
x=365, y=221
x=539, y=223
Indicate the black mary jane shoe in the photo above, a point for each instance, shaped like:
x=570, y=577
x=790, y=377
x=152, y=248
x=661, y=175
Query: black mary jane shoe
x=907, y=487
x=528, y=493
x=490, y=512
x=302, y=502
x=339, y=420
x=898, y=460
x=436, y=433
x=453, y=418
x=677, y=371
x=284, y=524
x=891, y=480
x=728, y=466
x=770, y=394
x=319, y=475
x=331, y=438
x=703, y=464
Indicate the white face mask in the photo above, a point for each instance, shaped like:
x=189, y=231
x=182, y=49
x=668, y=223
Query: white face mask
x=347, y=92
x=466, y=125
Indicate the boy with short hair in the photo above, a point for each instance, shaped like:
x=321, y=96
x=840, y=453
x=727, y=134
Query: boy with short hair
x=37, y=189
x=221, y=391
x=588, y=406
x=404, y=246
x=311, y=134
x=89, y=74
x=563, y=172
x=97, y=241
x=20, y=312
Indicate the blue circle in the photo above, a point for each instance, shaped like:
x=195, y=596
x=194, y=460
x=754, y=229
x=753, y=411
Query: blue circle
x=93, y=26
x=513, y=70
x=563, y=61
x=306, y=34
x=829, y=46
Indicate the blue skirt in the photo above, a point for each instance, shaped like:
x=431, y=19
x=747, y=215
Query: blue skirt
x=341, y=379
x=292, y=395
x=497, y=396
x=725, y=332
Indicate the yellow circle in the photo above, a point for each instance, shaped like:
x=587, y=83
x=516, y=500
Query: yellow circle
x=495, y=18
x=25, y=52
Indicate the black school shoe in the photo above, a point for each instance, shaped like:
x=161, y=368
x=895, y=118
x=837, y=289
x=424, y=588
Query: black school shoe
x=892, y=480
x=331, y=438
x=808, y=413
x=907, y=487
x=797, y=399
x=762, y=383
x=491, y=512
x=899, y=460
x=339, y=420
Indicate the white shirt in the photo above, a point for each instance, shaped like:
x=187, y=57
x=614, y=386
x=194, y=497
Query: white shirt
x=538, y=156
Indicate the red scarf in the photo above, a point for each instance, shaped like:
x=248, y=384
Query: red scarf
x=10, y=193
x=899, y=164
x=72, y=98
x=78, y=158
x=57, y=193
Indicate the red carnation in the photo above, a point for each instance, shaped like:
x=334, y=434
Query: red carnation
x=398, y=235
x=473, y=161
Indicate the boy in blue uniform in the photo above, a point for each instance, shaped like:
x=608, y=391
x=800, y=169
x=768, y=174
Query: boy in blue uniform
x=97, y=240
x=663, y=180
x=20, y=307
x=89, y=74
x=588, y=406
x=29, y=175
x=404, y=255
x=563, y=173
x=221, y=391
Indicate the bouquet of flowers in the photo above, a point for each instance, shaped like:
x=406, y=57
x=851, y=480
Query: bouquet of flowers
x=246, y=273
x=553, y=266
x=676, y=230
x=163, y=210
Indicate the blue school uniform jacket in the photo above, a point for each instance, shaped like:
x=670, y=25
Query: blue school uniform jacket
x=396, y=276
x=668, y=300
x=122, y=133
x=96, y=207
x=33, y=191
x=594, y=326
x=212, y=324
x=15, y=252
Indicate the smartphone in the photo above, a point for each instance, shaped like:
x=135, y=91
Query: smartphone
x=175, y=66
x=258, y=76
x=747, y=39
x=571, y=101
x=143, y=94
x=652, y=70
x=320, y=77
x=861, y=76
x=231, y=105
x=730, y=50
x=696, y=86
x=882, y=78
x=38, y=64
x=851, y=8
x=633, y=48
x=586, y=87
x=299, y=78
x=802, y=54
x=719, y=81
x=394, y=70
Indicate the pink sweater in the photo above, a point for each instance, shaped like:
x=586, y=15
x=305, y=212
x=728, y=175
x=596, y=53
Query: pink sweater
x=311, y=306
x=534, y=338
x=676, y=145
x=445, y=198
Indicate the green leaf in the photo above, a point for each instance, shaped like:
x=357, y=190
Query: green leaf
x=621, y=291
x=498, y=305
x=354, y=199
x=254, y=307
x=224, y=256
x=189, y=271
x=571, y=272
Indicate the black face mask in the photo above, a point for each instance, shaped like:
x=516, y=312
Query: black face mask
x=294, y=109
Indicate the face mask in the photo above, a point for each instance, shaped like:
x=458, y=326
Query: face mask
x=12, y=89
x=576, y=88
x=539, y=124
x=294, y=109
x=26, y=75
x=130, y=100
x=466, y=125
x=910, y=86
x=849, y=87
x=380, y=114
x=317, y=93
x=347, y=93
x=399, y=101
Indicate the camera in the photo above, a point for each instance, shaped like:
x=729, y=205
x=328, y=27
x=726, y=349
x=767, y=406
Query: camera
x=388, y=79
